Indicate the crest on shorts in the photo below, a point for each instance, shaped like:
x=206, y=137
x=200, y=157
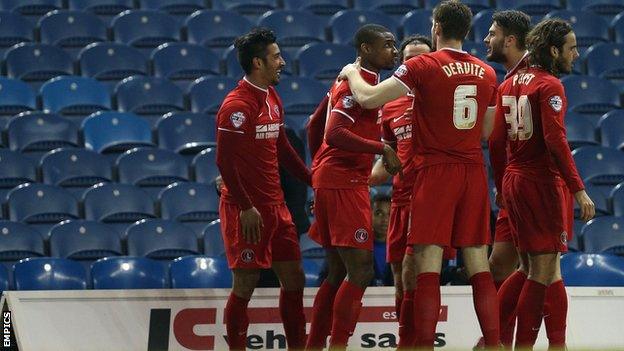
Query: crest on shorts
x=556, y=103
x=564, y=238
x=401, y=71
x=347, y=101
x=361, y=235
x=237, y=119
x=248, y=255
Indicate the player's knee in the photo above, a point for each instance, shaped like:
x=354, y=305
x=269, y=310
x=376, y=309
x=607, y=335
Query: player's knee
x=244, y=282
x=293, y=279
x=362, y=276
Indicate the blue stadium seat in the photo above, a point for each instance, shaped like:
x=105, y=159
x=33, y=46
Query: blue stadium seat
x=184, y=62
x=33, y=62
x=189, y=202
x=617, y=26
x=475, y=5
x=213, y=239
x=41, y=204
x=37, y=131
x=246, y=7
x=207, y=93
x=47, y=273
x=84, y=240
x=599, y=165
x=319, y=7
x=14, y=29
x=481, y=23
x=71, y=29
x=312, y=269
x=16, y=96
x=606, y=60
x=121, y=61
x=74, y=96
x=151, y=169
x=15, y=169
x=19, y=241
x=201, y=27
x=294, y=28
x=617, y=200
x=475, y=48
x=579, y=269
x=161, y=239
x=344, y=24
x=117, y=203
x=174, y=7
x=580, y=131
x=589, y=28
x=129, y=273
x=4, y=279
x=587, y=94
x=576, y=243
x=205, y=166
x=531, y=7
x=102, y=7
x=75, y=169
x=301, y=95
x=145, y=29
x=310, y=248
x=600, y=197
x=389, y=7
x=604, y=235
x=324, y=60
x=602, y=7
x=148, y=96
x=186, y=132
x=417, y=22
x=200, y=272
x=115, y=132
x=611, y=126
x=31, y=8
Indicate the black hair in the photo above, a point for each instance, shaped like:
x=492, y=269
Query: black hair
x=368, y=33
x=253, y=44
x=547, y=33
x=415, y=40
x=513, y=22
x=454, y=18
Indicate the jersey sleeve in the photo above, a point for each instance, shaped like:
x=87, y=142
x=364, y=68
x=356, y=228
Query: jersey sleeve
x=411, y=71
x=387, y=134
x=498, y=145
x=552, y=107
x=344, y=104
x=235, y=117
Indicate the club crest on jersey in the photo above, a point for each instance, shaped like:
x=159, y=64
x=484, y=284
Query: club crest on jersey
x=237, y=119
x=348, y=101
x=564, y=238
x=361, y=235
x=248, y=255
x=556, y=103
x=401, y=71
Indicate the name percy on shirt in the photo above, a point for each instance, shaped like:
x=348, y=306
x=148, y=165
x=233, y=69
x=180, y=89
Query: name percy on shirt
x=267, y=131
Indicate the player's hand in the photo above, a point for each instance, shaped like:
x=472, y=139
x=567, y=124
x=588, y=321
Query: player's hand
x=499, y=200
x=391, y=161
x=251, y=225
x=588, y=209
x=352, y=68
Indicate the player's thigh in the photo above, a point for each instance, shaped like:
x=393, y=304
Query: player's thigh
x=398, y=227
x=475, y=259
x=319, y=229
x=471, y=226
x=285, y=241
x=543, y=267
x=349, y=218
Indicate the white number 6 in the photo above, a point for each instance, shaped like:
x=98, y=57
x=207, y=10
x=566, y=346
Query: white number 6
x=465, y=106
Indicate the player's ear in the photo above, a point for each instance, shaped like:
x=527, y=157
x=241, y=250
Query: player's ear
x=257, y=62
x=510, y=40
x=554, y=51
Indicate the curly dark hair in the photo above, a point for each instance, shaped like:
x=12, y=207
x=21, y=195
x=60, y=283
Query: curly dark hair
x=546, y=34
x=414, y=39
x=253, y=44
x=454, y=19
x=513, y=22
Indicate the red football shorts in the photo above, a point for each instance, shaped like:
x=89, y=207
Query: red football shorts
x=502, y=231
x=540, y=213
x=450, y=206
x=279, y=240
x=343, y=218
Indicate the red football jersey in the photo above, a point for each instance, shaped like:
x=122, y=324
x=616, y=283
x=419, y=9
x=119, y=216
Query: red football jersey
x=530, y=113
x=334, y=168
x=258, y=114
x=452, y=90
x=396, y=126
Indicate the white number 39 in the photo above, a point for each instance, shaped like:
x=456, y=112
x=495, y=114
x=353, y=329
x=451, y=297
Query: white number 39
x=465, y=107
x=519, y=117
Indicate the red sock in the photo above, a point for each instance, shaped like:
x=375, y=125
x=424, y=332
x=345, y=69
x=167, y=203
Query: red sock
x=486, y=306
x=555, y=314
x=508, y=296
x=530, y=308
x=236, y=322
x=321, y=320
x=347, y=307
x=406, y=322
x=398, y=302
x=426, y=309
x=291, y=310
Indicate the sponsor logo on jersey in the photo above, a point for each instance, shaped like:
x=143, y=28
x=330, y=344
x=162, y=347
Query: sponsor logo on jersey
x=361, y=235
x=237, y=119
x=401, y=71
x=403, y=132
x=267, y=131
x=564, y=238
x=248, y=255
x=348, y=101
x=556, y=103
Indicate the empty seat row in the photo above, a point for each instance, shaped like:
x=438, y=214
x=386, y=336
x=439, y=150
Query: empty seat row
x=600, y=235
x=586, y=129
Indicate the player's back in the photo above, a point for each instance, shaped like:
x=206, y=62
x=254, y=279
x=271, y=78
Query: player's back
x=531, y=100
x=452, y=91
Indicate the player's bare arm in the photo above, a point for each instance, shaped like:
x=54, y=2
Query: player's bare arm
x=488, y=123
x=379, y=175
x=369, y=96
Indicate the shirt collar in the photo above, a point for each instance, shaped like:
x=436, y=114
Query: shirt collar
x=369, y=76
x=255, y=87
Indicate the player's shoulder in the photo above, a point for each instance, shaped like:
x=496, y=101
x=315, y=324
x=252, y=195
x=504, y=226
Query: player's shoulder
x=340, y=88
x=546, y=80
x=238, y=99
